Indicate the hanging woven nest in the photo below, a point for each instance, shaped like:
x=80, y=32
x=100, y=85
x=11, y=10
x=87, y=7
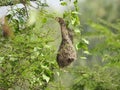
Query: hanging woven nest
x=66, y=53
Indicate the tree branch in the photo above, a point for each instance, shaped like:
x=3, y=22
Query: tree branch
x=10, y=2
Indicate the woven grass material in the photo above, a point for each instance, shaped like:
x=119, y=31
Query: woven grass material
x=66, y=53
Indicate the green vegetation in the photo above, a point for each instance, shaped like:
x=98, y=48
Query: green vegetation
x=28, y=61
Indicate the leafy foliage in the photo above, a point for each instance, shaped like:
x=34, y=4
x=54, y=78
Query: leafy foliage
x=28, y=60
x=102, y=72
x=97, y=78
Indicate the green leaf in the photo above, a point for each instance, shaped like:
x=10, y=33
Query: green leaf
x=81, y=45
x=77, y=30
x=87, y=52
x=75, y=12
x=44, y=20
x=73, y=21
x=83, y=58
x=63, y=3
x=76, y=1
x=86, y=41
x=1, y=59
x=46, y=78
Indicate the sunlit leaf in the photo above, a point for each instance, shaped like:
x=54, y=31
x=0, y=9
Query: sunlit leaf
x=86, y=41
x=83, y=58
x=75, y=12
x=46, y=78
x=87, y=52
x=77, y=30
